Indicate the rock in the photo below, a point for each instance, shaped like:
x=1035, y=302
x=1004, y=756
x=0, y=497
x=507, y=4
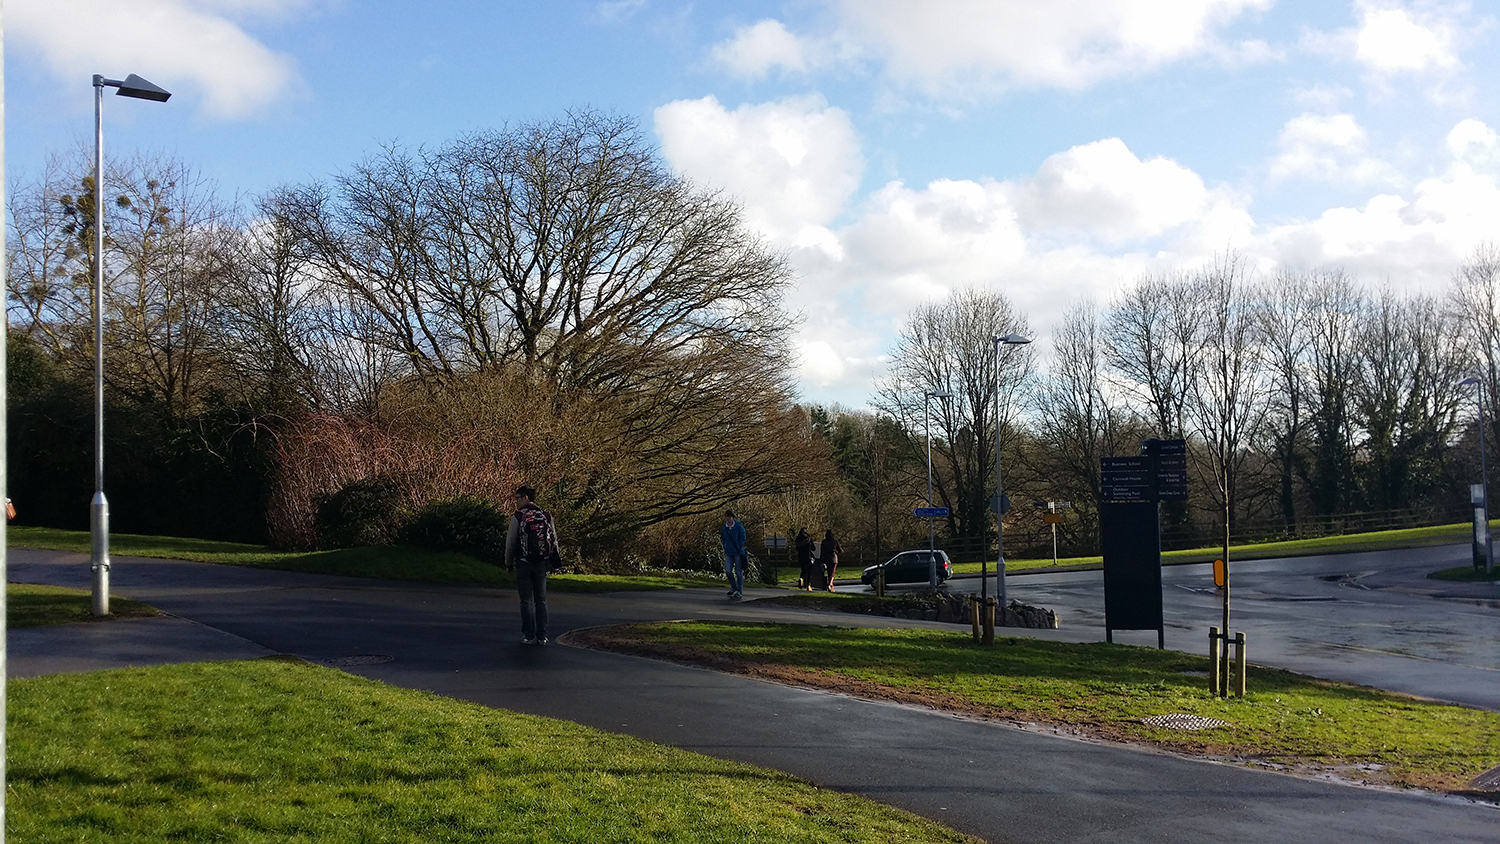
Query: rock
x=930, y=615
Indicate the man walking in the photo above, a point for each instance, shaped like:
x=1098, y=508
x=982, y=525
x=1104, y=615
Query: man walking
x=531, y=552
x=732, y=536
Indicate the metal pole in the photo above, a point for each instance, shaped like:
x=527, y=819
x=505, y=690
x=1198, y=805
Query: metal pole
x=931, y=541
x=99, y=508
x=999, y=497
x=1484, y=471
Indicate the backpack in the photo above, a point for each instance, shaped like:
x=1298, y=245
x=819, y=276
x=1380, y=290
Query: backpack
x=538, y=538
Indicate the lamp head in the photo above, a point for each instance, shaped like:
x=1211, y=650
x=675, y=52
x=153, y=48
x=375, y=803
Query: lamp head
x=1013, y=340
x=1468, y=382
x=135, y=86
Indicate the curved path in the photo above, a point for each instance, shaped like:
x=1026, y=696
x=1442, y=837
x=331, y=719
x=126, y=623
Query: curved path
x=994, y=781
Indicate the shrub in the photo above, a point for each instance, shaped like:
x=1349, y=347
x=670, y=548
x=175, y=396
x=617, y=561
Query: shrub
x=465, y=524
x=366, y=512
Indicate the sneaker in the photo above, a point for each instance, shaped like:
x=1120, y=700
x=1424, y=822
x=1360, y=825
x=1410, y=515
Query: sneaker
x=738, y=596
x=527, y=640
x=730, y=594
x=542, y=640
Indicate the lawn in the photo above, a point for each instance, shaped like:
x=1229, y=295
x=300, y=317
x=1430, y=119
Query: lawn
x=28, y=605
x=278, y=750
x=383, y=562
x=1105, y=691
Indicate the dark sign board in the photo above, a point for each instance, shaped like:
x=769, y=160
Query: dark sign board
x=1131, y=535
x=1127, y=479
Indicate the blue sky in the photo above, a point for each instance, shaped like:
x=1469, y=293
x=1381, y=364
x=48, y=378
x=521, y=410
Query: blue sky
x=896, y=151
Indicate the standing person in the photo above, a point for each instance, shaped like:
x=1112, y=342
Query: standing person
x=805, y=559
x=732, y=536
x=831, y=551
x=531, y=551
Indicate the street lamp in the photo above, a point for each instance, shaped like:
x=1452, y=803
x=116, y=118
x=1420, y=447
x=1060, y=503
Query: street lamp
x=984, y=576
x=927, y=397
x=1484, y=474
x=138, y=88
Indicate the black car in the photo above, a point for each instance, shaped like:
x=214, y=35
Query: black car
x=909, y=567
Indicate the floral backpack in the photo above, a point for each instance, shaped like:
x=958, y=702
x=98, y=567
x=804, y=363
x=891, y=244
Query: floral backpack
x=538, y=538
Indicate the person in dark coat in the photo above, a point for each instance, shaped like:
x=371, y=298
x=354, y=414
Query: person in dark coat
x=805, y=559
x=830, y=556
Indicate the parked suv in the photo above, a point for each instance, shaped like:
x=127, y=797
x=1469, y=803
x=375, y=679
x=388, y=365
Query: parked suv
x=909, y=567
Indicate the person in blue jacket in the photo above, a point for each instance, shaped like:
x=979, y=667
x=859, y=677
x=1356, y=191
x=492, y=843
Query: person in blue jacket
x=732, y=536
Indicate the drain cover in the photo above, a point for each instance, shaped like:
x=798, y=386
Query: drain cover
x=1180, y=721
x=357, y=660
x=1488, y=781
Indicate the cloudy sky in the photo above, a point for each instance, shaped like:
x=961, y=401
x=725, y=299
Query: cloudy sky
x=896, y=150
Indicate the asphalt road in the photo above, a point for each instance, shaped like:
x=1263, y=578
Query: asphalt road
x=994, y=781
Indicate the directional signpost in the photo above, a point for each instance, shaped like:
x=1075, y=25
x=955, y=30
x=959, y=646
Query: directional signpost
x=1130, y=491
x=930, y=512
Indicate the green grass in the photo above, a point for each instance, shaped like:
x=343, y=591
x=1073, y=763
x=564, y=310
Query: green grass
x=1382, y=540
x=385, y=562
x=1467, y=574
x=28, y=605
x=1107, y=689
x=278, y=750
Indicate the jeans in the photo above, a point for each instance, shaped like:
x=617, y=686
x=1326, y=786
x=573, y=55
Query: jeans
x=531, y=582
x=734, y=568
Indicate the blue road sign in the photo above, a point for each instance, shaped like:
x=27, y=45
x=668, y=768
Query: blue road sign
x=930, y=512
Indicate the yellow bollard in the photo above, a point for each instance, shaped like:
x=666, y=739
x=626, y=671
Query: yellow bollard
x=1239, y=664
x=880, y=582
x=1213, y=661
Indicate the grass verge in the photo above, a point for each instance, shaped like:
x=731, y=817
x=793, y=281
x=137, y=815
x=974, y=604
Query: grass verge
x=1286, y=720
x=1383, y=540
x=281, y=750
x=1466, y=574
x=29, y=605
x=386, y=562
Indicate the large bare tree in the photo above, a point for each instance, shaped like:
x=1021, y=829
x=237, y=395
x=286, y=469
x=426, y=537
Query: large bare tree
x=947, y=347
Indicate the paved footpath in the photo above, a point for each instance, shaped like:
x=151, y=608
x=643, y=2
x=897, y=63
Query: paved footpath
x=999, y=783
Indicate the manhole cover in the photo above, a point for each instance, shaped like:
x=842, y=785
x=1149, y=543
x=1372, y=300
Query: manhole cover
x=1488, y=781
x=357, y=660
x=1180, y=721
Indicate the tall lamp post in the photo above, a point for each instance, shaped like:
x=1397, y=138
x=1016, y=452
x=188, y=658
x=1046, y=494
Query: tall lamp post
x=1484, y=474
x=138, y=88
x=927, y=397
x=984, y=576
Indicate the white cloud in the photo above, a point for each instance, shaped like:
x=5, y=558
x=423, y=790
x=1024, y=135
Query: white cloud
x=960, y=48
x=1103, y=190
x=1390, y=39
x=1329, y=148
x=793, y=164
x=1089, y=220
x=761, y=47
x=174, y=43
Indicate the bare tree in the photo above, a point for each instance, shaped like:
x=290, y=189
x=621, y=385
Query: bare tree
x=1151, y=343
x=559, y=269
x=1285, y=316
x=1474, y=299
x=948, y=347
x=1077, y=422
x=1336, y=312
x=1227, y=395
